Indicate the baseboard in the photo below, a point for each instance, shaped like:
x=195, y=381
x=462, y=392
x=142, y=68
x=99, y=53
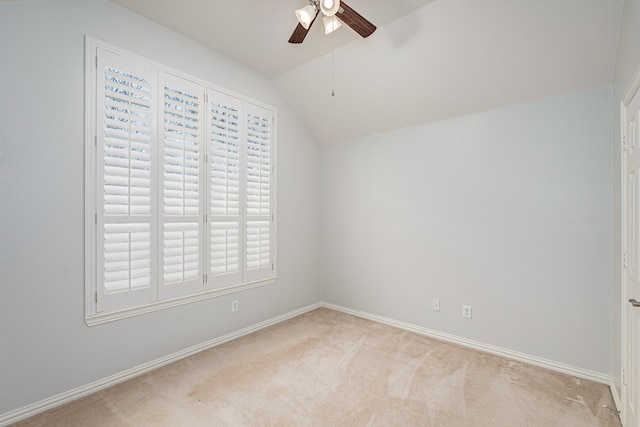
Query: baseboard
x=616, y=396
x=498, y=351
x=62, y=398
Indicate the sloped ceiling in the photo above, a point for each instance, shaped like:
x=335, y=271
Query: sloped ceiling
x=429, y=59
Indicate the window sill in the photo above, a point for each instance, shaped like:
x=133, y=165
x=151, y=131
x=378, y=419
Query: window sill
x=100, y=318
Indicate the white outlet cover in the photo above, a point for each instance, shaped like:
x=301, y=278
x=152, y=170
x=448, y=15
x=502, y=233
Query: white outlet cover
x=466, y=311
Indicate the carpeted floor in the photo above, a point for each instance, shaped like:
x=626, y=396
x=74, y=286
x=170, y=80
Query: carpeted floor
x=327, y=368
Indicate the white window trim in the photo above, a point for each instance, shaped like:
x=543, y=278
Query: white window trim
x=92, y=317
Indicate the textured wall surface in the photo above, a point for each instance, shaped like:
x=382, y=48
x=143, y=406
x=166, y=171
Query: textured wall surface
x=508, y=211
x=46, y=347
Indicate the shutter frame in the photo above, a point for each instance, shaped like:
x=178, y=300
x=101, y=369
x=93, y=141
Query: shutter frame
x=225, y=216
x=180, y=183
x=121, y=222
x=259, y=227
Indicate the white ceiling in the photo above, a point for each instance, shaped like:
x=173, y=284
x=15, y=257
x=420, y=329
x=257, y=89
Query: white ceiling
x=429, y=59
x=255, y=32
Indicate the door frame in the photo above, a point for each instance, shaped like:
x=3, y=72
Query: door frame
x=631, y=91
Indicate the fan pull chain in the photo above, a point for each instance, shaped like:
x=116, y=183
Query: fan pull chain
x=333, y=85
x=323, y=51
x=322, y=42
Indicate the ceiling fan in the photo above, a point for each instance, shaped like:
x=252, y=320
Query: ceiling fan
x=331, y=11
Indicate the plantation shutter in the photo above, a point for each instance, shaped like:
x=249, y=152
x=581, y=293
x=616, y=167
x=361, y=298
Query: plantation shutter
x=125, y=219
x=224, y=213
x=259, y=248
x=181, y=178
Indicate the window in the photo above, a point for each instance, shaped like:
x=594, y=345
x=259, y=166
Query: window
x=180, y=187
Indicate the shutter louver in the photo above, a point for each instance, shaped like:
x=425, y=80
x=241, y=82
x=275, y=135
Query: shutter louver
x=181, y=252
x=258, y=192
x=125, y=168
x=180, y=183
x=258, y=244
x=181, y=153
x=224, y=189
x=225, y=248
x=127, y=144
x=127, y=257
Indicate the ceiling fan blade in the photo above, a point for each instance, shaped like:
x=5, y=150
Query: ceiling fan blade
x=299, y=33
x=355, y=20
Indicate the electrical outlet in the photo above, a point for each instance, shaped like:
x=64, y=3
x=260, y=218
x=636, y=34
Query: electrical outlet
x=466, y=311
x=435, y=304
x=234, y=305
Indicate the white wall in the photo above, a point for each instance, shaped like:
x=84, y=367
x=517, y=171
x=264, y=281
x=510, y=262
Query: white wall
x=46, y=348
x=627, y=62
x=508, y=211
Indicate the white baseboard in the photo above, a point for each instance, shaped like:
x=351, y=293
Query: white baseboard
x=486, y=348
x=616, y=396
x=62, y=398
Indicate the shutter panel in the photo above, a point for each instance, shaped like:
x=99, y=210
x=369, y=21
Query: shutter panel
x=125, y=165
x=181, y=181
x=225, y=136
x=259, y=240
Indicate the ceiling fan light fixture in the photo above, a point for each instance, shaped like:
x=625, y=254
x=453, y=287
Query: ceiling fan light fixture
x=331, y=23
x=306, y=15
x=329, y=7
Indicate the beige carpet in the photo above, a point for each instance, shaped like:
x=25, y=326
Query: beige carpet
x=327, y=368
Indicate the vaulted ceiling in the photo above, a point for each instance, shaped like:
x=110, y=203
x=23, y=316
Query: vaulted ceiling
x=429, y=59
